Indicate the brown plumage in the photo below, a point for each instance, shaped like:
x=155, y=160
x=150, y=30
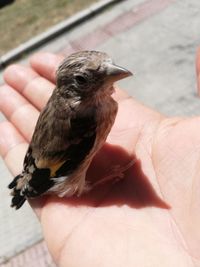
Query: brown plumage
x=71, y=128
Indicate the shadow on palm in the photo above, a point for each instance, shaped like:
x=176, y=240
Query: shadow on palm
x=133, y=190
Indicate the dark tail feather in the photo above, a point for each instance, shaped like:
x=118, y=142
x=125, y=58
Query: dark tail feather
x=14, y=182
x=18, y=200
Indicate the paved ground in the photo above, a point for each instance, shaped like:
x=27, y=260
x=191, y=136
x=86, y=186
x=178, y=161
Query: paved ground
x=157, y=40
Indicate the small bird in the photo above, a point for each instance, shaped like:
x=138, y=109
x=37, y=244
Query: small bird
x=71, y=128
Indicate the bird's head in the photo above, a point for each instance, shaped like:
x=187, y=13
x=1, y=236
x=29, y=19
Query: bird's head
x=87, y=72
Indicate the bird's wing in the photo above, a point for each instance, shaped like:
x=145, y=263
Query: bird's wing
x=61, y=141
x=61, y=155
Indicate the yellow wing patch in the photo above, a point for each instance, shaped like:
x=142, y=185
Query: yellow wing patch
x=53, y=166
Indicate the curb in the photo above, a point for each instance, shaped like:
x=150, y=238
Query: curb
x=55, y=31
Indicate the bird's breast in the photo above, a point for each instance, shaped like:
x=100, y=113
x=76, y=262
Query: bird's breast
x=106, y=114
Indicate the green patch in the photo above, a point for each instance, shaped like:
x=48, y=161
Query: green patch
x=25, y=19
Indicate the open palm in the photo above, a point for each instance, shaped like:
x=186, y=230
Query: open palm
x=151, y=218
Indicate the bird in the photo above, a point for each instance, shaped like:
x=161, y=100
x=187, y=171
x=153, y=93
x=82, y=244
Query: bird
x=71, y=128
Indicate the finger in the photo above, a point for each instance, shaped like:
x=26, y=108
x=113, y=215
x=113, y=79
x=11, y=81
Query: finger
x=18, y=79
x=198, y=70
x=46, y=64
x=26, y=81
x=18, y=110
x=12, y=147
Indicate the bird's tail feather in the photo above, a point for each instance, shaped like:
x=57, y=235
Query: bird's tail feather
x=14, y=182
x=18, y=198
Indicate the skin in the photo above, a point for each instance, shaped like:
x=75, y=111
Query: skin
x=150, y=217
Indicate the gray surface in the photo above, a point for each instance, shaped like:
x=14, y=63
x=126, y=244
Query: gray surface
x=161, y=53
x=56, y=30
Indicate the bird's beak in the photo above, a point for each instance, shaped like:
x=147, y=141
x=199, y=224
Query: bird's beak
x=116, y=73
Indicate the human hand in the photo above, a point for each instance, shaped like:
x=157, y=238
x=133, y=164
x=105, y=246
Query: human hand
x=151, y=218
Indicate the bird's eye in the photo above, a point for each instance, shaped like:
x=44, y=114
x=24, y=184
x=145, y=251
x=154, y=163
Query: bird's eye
x=80, y=79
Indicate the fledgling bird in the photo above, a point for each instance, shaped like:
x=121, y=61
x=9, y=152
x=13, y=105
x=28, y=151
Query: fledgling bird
x=71, y=128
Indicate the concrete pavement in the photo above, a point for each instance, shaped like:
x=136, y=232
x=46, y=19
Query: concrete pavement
x=157, y=40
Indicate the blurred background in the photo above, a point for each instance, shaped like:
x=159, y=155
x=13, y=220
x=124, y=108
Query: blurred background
x=24, y=19
x=156, y=39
